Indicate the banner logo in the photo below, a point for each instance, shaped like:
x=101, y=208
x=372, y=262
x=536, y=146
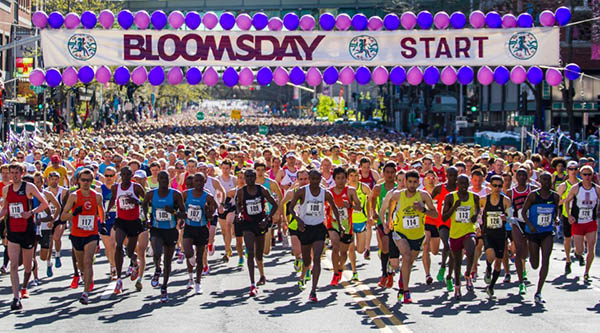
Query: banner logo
x=523, y=45
x=82, y=46
x=363, y=47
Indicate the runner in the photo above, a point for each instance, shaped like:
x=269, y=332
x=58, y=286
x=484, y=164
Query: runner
x=359, y=219
x=369, y=177
x=479, y=186
x=106, y=234
x=275, y=192
x=432, y=235
x=293, y=223
x=58, y=227
x=563, y=191
x=45, y=221
x=226, y=218
x=143, y=238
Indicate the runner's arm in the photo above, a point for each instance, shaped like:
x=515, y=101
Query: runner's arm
x=66, y=214
x=525, y=209
x=329, y=200
x=429, y=207
x=567, y=202
x=449, y=206
x=32, y=190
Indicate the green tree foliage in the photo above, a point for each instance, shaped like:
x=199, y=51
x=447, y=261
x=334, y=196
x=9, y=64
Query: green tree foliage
x=327, y=107
x=79, y=6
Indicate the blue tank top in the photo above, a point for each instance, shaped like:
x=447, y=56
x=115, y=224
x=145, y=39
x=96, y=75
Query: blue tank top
x=194, y=207
x=267, y=185
x=542, y=214
x=106, y=196
x=161, y=219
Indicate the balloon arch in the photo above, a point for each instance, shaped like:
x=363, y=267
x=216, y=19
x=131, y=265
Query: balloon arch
x=313, y=76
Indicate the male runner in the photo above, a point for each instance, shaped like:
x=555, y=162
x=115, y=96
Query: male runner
x=383, y=239
x=58, y=227
x=563, y=190
x=359, y=219
x=106, y=235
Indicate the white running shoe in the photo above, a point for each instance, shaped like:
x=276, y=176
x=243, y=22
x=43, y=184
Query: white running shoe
x=198, y=289
x=190, y=284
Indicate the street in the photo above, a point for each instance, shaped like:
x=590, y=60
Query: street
x=281, y=307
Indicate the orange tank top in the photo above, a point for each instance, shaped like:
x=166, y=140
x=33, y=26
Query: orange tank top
x=86, y=223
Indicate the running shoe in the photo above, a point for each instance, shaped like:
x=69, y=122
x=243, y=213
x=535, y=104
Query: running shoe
x=297, y=265
x=489, y=291
x=428, y=279
x=35, y=283
x=155, y=277
x=75, y=282
x=129, y=270
x=586, y=278
x=225, y=258
x=506, y=278
x=538, y=298
x=567, y=268
x=334, y=280
x=240, y=262
x=457, y=294
x=474, y=276
x=441, y=273
x=57, y=262
x=449, y=285
x=211, y=249
x=190, y=284
x=24, y=293
x=390, y=281
x=367, y=254
x=138, y=285
x=355, y=277
x=383, y=282
x=16, y=304
x=407, y=298
x=164, y=298
x=469, y=283
x=135, y=272
x=119, y=287
x=206, y=270
x=84, y=299
x=262, y=281
x=4, y=270
x=301, y=284
x=313, y=297
x=180, y=258
x=400, y=295
x=198, y=289
x=580, y=259
x=253, y=291
x=308, y=276
x=522, y=289
x=49, y=271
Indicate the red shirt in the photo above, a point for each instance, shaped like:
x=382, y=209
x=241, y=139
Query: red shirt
x=86, y=223
x=17, y=204
x=440, y=173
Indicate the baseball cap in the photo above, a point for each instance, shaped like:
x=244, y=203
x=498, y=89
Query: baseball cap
x=87, y=161
x=314, y=152
x=31, y=168
x=55, y=159
x=485, y=155
x=139, y=174
x=572, y=164
x=180, y=147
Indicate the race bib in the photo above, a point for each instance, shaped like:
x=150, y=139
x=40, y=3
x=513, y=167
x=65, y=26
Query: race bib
x=42, y=215
x=124, y=203
x=163, y=216
x=52, y=210
x=585, y=215
x=86, y=222
x=494, y=220
x=254, y=206
x=410, y=222
x=315, y=209
x=343, y=212
x=194, y=213
x=15, y=210
x=463, y=214
x=544, y=220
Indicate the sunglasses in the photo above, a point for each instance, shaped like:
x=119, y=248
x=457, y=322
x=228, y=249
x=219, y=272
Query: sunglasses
x=86, y=180
x=496, y=185
x=109, y=175
x=586, y=174
x=572, y=169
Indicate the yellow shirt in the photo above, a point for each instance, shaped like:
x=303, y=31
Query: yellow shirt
x=407, y=220
x=460, y=221
x=62, y=171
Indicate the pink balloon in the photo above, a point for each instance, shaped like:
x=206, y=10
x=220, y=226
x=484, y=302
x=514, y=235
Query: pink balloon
x=141, y=19
x=210, y=77
x=175, y=75
x=553, y=77
x=343, y=22
x=313, y=76
x=307, y=22
x=244, y=21
x=69, y=76
x=347, y=75
x=139, y=75
x=280, y=76
x=275, y=24
x=245, y=77
x=210, y=20
x=547, y=19
x=448, y=75
x=106, y=18
x=408, y=20
x=518, y=75
x=509, y=21
x=103, y=74
x=380, y=75
x=485, y=76
x=477, y=19
x=71, y=21
x=414, y=76
x=441, y=20
x=375, y=23
x=37, y=77
x=176, y=19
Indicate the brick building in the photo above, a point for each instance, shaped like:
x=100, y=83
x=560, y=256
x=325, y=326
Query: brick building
x=12, y=11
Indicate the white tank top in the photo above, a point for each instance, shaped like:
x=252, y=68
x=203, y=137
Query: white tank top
x=586, y=202
x=312, y=210
x=227, y=185
x=209, y=187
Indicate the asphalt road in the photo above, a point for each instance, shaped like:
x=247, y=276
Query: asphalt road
x=281, y=307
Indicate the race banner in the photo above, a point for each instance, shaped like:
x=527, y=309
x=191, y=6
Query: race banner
x=472, y=47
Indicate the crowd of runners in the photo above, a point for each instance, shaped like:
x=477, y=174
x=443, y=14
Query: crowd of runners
x=163, y=188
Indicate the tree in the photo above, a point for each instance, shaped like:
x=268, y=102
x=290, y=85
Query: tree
x=80, y=6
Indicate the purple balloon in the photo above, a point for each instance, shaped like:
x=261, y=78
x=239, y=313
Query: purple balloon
x=244, y=21
x=297, y=76
x=458, y=20
x=359, y=22
x=431, y=75
x=72, y=21
x=330, y=75
x=380, y=75
x=125, y=19
x=37, y=77
x=39, y=19
x=106, y=18
x=291, y=21
x=347, y=75
x=547, y=19
x=398, y=75
x=230, y=77
x=465, y=75
x=156, y=76
x=493, y=20
x=53, y=77
x=485, y=76
x=55, y=20
x=313, y=76
x=121, y=75
x=192, y=20
x=141, y=19
x=535, y=75
x=210, y=20
x=572, y=72
x=158, y=19
x=86, y=74
x=425, y=20
x=448, y=75
x=260, y=20
x=553, y=77
x=227, y=21
x=264, y=76
x=307, y=22
x=518, y=74
x=414, y=76
x=176, y=19
x=562, y=15
x=441, y=20
x=193, y=76
x=275, y=24
x=408, y=20
x=343, y=22
x=375, y=23
x=246, y=77
x=362, y=75
x=175, y=75
x=525, y=20
x=210, y=77
x=327, y=21
x=103, y=74
x=501, y=75
x=88, y=19
x=139, y=75
x=391, y=21
x=477, y=19
x=509, y=21
x=280, y=76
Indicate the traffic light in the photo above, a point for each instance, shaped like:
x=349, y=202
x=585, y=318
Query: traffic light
x=314, y=109
x=474, y=108
x=468, y=104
